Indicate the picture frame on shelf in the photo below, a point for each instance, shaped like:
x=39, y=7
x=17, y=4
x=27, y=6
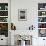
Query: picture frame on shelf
x=22, y=14
x=42, y=32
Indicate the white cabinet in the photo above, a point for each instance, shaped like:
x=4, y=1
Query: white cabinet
x=4, y=21
x=3, y=40
x=41, y=41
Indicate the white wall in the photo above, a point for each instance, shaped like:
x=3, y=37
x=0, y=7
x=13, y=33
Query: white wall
x=32, y=14
x=31, y=7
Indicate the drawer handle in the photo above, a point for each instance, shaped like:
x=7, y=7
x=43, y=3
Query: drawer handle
x=1, y=39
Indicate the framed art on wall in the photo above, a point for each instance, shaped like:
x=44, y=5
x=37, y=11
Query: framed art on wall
x=22, y=14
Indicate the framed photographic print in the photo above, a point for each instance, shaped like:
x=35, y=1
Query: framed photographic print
x=22, y=14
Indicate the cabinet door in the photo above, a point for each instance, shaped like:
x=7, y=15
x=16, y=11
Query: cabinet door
x=41, y=41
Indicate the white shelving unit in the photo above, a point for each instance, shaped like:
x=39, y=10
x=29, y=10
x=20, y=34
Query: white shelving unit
x=42, y=19
x=41, y=22
x=4, y=23
x=4, y=19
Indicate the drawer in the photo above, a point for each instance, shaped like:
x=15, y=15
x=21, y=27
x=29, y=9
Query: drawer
x=3, y=41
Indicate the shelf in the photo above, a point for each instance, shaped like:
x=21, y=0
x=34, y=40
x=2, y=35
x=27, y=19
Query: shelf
x=41, y=28
x=3, y=22
x=42, y=16
x=3, y=16
x=3, y=10
x=41, y=22
x=41, y=10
